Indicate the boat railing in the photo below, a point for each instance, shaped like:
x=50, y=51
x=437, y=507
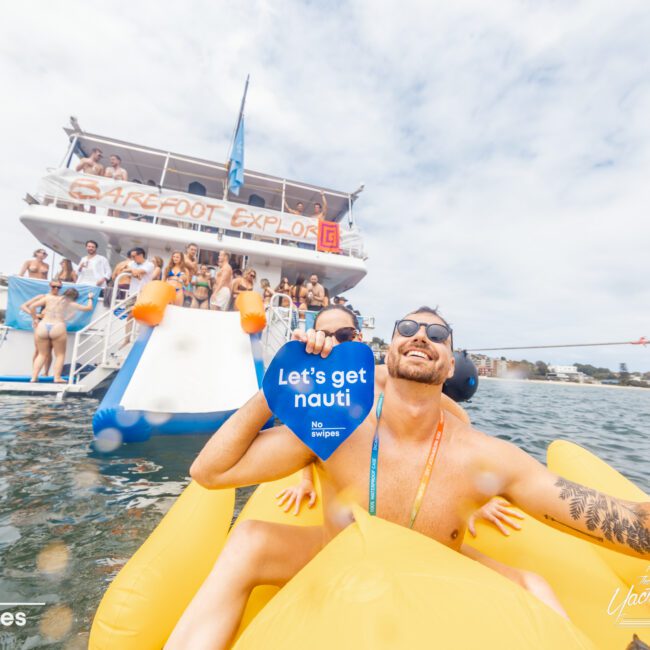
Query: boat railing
x=106, y=340
x=281, y=320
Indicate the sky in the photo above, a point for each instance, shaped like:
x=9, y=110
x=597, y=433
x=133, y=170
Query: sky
x=504, y=147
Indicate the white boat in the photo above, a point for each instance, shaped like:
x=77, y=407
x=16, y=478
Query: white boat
x=172, y=200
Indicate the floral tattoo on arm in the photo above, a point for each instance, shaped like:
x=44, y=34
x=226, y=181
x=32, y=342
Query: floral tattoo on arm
x=615, y=520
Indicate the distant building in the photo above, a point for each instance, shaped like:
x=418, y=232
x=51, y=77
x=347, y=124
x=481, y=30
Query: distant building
x=567, y=373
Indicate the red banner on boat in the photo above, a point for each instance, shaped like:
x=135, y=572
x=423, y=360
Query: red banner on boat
x=329, y=237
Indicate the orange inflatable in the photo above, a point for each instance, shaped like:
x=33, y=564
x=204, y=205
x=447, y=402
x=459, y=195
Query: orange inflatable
x=152, y=300
x=251, y=311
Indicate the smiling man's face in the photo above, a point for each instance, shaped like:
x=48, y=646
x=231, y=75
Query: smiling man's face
x=417, y=358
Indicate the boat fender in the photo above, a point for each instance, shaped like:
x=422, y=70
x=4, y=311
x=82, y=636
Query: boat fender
x=462, y=386
x=153, y=298
x=251, y=311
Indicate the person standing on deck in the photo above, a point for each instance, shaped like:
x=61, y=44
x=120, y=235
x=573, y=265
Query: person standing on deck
x=93, y=268
x=221, y=293
x=320, y=209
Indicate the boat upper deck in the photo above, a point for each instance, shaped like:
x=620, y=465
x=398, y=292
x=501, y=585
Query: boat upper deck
x=162, y=200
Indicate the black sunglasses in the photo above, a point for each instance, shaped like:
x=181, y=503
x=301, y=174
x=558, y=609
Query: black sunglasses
x=343, y=334
x=55, y=286
x=435, y=331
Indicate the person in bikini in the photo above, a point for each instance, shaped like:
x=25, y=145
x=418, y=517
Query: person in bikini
x=177, y=275
x=55, y=288
x=222, y=283
x=284, y=288
x=36, y=268
x=66, y=272
x=202, y=288
x=245, y=283
x=51, y=332
x=408, y=431
x=267, y=292
x=121, y=269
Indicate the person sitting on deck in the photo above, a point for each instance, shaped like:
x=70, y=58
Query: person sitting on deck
x=420, y=359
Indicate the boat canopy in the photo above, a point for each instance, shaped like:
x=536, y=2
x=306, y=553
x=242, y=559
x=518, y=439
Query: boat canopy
x=208, y=178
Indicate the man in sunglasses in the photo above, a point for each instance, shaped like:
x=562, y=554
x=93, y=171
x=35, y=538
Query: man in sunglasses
x=406, y=433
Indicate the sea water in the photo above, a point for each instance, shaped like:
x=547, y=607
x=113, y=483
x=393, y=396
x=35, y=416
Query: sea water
x=70, y=517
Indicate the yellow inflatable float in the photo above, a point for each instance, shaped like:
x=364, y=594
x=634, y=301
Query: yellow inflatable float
x=383, y=586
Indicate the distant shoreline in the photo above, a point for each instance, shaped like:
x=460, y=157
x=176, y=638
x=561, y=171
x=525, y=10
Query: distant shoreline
x=561, y=383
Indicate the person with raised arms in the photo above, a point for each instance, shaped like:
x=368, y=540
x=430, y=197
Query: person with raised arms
x=434, y=471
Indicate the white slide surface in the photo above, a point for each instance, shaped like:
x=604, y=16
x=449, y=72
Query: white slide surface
x=196, y=361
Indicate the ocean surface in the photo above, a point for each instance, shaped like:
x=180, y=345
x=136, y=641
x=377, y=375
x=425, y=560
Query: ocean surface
x=71, y=517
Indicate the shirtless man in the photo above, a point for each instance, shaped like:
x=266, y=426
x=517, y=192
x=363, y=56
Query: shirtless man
x=320, y=209
x=471, y=468
x=117, y=173
x=115, y=170
x=191, y=256
x=299, y=209
x=91, y=165
x=221, y=293
x=315, y=294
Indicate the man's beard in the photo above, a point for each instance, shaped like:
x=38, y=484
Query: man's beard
x=432, y=375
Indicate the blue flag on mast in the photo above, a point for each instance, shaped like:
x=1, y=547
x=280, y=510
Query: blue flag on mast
x=236, y=163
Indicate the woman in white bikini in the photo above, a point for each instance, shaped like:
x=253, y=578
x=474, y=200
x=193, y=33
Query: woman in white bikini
x=51, y=332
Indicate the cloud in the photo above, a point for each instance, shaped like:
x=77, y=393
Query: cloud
x=504, y=147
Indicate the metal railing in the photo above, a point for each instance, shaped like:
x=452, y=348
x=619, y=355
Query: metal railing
x=106, y=340
x=281, y=320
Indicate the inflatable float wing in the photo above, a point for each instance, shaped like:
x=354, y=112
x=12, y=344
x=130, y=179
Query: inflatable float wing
x=383, y=586
x=189, y=370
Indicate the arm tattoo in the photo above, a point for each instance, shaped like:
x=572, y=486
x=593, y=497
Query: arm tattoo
x=617, y=520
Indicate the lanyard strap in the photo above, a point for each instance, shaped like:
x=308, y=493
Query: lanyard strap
x=426, y=474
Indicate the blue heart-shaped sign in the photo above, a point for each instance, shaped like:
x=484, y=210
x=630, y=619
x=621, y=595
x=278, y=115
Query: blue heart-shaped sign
x=321, y=400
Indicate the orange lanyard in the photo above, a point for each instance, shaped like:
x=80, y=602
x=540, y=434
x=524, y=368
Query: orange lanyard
x=426, y=474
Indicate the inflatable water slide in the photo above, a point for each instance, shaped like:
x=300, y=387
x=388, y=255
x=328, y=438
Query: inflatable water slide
x=188, y=370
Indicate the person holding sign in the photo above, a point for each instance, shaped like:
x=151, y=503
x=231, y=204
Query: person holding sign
x=408, y=461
